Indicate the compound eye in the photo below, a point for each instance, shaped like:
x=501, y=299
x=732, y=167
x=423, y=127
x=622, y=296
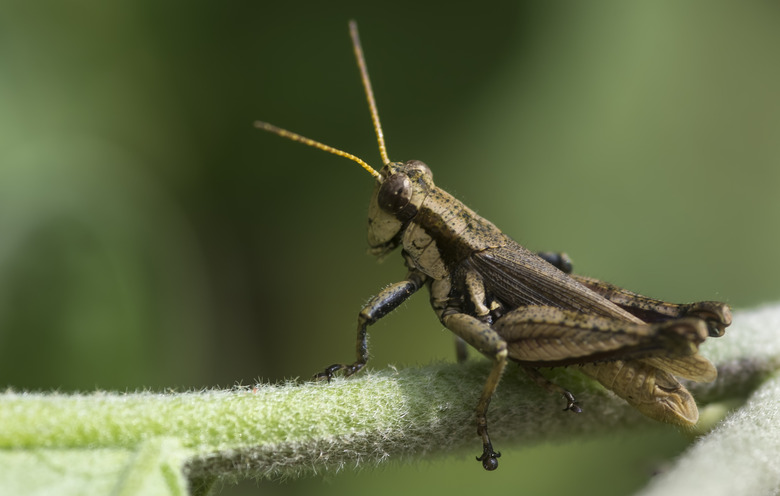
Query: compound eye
x=394, y=193
x=421, y=166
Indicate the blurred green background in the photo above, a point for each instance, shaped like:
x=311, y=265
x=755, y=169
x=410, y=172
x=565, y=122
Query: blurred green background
x=151, y=238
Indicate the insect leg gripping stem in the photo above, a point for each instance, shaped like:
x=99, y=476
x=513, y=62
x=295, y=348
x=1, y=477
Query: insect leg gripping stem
x=380, y=305
x=538, y=378
x=482, y=337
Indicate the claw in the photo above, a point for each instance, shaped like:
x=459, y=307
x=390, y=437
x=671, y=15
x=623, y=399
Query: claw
x=489, y=458
x=353, y=369
x=571, y=403
x=321, y=376
x=329, y=372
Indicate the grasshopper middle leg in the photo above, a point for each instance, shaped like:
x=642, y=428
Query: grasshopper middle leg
x=482, y=337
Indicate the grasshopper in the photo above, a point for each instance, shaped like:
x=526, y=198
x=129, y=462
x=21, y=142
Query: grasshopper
x=512, y=304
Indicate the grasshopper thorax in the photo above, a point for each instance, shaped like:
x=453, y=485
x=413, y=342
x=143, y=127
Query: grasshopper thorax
x=399, y=192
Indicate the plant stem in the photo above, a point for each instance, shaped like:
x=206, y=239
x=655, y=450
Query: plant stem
x=294, y=429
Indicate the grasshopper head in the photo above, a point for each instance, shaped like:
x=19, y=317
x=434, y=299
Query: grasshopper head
x=397, y=197
x=400, y=187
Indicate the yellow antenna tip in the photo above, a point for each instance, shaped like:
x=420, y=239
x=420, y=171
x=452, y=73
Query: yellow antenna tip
x=265, y=126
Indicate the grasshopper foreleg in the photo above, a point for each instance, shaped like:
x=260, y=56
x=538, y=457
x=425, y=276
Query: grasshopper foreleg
x=380, y=305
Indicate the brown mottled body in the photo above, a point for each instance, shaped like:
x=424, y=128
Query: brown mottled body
x=513, y=304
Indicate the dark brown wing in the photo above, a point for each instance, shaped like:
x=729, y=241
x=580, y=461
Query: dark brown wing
x=519, y=277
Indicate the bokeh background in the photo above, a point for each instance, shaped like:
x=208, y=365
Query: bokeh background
x=151, y=238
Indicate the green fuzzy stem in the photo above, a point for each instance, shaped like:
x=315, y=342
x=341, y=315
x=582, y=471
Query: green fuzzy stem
x=147, y=443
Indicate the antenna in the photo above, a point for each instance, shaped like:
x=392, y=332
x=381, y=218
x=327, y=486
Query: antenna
x=353, y=31
x=316, y=144
x=361, y=61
